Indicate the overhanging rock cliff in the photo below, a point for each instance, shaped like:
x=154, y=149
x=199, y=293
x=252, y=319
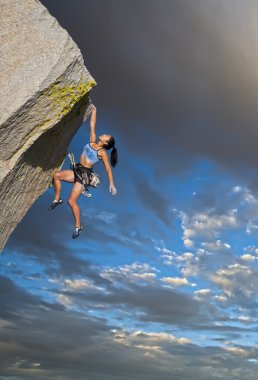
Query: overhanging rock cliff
x=44, y=98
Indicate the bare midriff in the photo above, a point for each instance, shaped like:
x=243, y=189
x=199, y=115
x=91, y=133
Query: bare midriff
x=85, y=162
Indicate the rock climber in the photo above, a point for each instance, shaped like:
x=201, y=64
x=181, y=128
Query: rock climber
x=93, y=152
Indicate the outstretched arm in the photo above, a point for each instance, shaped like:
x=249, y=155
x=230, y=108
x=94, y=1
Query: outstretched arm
x=93, y=120
x=112, y=188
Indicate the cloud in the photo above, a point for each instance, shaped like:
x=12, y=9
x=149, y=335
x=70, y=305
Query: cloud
x=80, y=284
x=218, y=245
x=48, y=340
x=238, y=284
x=206, y=225
x=156, y=304
x=248, y=257
x=13, y=298
x=203, y=293
x=176, y=281
x=238, y=351
x=133, y=273
x=45, y=238
x=135, y=288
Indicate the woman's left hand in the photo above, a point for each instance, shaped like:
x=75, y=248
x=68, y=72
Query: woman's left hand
x=112, y=189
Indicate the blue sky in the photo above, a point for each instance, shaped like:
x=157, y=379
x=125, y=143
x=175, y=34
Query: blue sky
x=169, y=275
x=162, y=283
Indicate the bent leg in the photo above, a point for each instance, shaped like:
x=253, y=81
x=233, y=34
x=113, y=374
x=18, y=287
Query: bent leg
x=64, y=175
x=72, y=201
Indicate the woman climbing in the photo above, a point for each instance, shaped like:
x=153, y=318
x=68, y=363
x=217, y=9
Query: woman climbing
x=93, y=152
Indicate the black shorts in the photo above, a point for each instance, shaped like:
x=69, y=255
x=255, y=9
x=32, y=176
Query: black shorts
x=79, y=171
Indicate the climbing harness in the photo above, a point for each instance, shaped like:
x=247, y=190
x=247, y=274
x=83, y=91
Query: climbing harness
x=88, y=177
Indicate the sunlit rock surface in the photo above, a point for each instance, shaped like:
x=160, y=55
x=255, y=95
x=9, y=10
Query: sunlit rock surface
x=44, y=98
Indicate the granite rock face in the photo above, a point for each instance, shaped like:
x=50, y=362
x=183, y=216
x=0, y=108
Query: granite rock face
x=44, y=99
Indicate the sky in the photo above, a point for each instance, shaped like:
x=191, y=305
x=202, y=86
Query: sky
x=162, y=283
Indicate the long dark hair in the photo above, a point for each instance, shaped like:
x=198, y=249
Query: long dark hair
x=114, y=156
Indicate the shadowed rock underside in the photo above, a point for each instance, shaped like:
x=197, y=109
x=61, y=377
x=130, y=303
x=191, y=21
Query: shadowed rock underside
x=44, y=99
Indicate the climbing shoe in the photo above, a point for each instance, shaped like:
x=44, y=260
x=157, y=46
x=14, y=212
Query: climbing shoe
x=76, y=232
x=55, y=203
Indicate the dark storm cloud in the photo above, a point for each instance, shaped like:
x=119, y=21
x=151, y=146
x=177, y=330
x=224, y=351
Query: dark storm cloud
x=14, y=300
x=153, y=199
x=45, y=237
x=181, y=75
x=40, y=236
x=139, y=292
x=13, y=297
x=154, y=303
